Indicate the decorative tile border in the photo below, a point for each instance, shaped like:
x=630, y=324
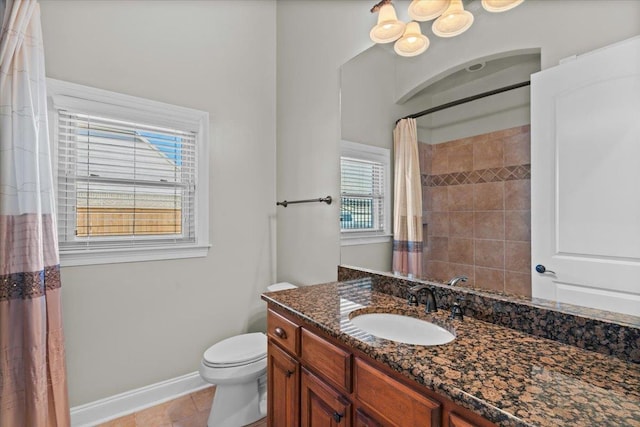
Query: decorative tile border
x=507, y=173
x=607, y=333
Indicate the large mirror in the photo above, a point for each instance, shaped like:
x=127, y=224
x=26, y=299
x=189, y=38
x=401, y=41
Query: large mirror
x=490, y=134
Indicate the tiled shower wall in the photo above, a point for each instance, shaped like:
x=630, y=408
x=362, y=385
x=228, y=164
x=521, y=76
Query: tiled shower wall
x=477, y=210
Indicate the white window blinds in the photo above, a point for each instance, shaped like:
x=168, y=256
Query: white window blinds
x=124, y=184
x=362, y=195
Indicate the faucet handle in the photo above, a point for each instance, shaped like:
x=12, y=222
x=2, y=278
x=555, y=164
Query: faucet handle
x=412, y=299
x=456, y=310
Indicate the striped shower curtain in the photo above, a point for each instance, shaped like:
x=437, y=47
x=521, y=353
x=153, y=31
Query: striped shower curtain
x=407, y=201
x=33, y=385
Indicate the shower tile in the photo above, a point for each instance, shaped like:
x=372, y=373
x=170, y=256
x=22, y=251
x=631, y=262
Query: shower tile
x=439, y=199
x=438, y=249
x=489, y=225
x=489, y=278
x=460, y=197
x=461, y=224
x=438, y=271
x=461, y=251
x=488, y=196
x=517, y=195
x=488, y=154
x=426, y=199
x=489, y=253
x=518, y=256
x=438, y=224
x=461, y=157
x=517, y=283
x=439, y=159
x=518, y=225
x=517, y=149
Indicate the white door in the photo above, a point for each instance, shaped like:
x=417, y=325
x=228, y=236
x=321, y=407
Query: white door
x=585, y=180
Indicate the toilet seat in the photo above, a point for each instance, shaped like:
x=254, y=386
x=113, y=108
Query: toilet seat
x=236, y=351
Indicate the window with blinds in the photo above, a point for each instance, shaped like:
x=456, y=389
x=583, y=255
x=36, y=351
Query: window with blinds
x=364, y=199
x=123, y=183
x=132, y=176
x=362, y=195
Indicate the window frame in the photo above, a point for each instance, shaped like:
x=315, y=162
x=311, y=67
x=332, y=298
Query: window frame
x=64, y=95
x=358, y=151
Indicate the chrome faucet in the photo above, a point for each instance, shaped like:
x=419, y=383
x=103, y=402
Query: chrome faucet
x=430, y=298
x=457, y=279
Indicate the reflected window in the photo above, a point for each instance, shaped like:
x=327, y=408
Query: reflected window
x=364, y=191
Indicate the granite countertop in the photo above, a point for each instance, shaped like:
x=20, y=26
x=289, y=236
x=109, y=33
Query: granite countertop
x=509, y=377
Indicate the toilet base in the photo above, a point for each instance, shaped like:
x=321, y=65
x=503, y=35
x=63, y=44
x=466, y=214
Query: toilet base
x=235, y=405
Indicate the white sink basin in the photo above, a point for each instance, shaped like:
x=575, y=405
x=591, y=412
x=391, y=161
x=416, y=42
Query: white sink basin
x=405, y=329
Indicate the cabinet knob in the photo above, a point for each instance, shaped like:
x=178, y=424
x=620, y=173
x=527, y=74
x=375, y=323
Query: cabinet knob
x=337, y=417
x=289, y=373
x=280, y=333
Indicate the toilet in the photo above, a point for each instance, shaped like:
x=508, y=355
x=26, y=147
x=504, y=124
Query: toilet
x=238, y=367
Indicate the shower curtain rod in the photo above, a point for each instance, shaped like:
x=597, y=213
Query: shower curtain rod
x=326, y=200
x=465, y=100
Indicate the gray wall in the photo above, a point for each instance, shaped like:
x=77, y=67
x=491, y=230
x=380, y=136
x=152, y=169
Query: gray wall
x=134, y=324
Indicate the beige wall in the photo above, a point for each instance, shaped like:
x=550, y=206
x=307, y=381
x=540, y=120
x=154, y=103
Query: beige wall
x=314, y=39
x=130, y=325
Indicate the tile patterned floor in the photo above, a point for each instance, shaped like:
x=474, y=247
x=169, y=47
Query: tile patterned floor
x=191, y=410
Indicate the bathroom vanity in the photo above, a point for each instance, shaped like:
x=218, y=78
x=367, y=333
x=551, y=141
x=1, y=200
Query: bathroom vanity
x=323, y=371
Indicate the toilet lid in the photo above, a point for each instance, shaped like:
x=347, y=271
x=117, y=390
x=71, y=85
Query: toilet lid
x=238, y=350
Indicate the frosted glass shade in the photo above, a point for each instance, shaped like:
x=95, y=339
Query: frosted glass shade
x=454, y=21
x=412, y=42
x=388, y=28
x=426, y=10
x=500, y=5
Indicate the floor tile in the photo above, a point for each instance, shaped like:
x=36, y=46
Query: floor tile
x=126, y=421
x=203, y=398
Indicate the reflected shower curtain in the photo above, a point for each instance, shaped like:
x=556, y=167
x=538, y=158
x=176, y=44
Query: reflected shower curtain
x=33, y=385
x=407, y=201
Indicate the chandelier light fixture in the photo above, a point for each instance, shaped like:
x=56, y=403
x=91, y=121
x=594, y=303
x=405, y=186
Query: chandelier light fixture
x=450, y=20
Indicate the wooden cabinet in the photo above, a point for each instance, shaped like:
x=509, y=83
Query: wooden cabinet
x=457, y=421
x=393, y=402
x=328, y=360
x=316, y=381
x=364, y=420
x=322, y=406
x=283, y=379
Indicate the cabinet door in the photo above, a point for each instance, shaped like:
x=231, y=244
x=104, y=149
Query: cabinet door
x=321, y=406
x=393, y=402
x=364, y=420
x=283, y=388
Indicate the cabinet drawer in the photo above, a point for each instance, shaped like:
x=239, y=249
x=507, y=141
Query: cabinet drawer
x=326, y=359
x=392, y=401
x=457, y=421
x=283, y=331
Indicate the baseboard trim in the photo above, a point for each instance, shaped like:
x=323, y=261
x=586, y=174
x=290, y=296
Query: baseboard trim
x=109, y=408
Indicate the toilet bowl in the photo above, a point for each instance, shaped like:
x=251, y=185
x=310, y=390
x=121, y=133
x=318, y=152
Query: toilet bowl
x=238, y=367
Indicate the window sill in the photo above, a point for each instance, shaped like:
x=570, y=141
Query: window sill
x=363, y=239
x=116, y=256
